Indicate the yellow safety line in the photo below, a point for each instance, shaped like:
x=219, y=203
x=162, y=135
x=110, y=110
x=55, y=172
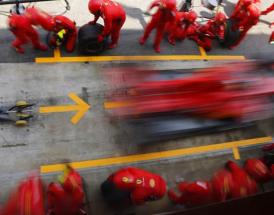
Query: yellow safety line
x=136, y=58
x=236, y=153
x=202, y=51
x=57, y=53
x=112, y=105
x=158, y=155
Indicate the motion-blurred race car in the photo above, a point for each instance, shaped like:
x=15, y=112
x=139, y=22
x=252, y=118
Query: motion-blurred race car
x=164, y=104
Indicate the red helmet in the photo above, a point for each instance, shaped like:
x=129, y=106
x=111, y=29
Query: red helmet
x=95, y=6
x=191, y=16
x=169, y=4
x=254, y=11
x=220, y=17
x=258, y=170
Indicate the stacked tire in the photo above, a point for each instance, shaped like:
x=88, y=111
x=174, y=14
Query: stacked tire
x=87, y=39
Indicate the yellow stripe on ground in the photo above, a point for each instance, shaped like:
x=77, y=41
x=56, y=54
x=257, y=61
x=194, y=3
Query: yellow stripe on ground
x=202, y=51
x=57, y=53
x=236, y=153
x=136, y=58
x=157, y=155
x=112, y=105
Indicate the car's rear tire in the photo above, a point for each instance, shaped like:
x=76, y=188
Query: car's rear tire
x=87, y=39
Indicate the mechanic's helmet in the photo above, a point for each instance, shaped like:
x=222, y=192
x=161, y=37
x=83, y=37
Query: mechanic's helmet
x=254, y=11
x=169, y=4
x=95, y=6
x=191, y=16
x=220, y=17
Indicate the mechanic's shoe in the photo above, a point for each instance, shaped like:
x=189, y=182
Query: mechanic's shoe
x=41, y=47
x=112, y=46
x=157, y=49
x=142, y=41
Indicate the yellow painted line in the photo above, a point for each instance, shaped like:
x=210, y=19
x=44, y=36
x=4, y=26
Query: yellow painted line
x=81, y=108
x=156, y=155
x=236, y=153
x=202, y=51
x=112, y=105
x=57, y=53
x=224, y=57
x=136, y=58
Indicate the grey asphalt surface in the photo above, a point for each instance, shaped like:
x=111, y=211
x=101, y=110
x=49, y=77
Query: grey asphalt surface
x=51, y=138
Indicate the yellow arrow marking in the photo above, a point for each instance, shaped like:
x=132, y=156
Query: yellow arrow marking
x=81, y=107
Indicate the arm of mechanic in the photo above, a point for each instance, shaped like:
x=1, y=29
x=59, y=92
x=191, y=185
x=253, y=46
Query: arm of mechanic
x=268, y=10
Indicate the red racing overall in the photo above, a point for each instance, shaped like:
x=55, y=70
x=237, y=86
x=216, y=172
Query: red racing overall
x=142, y=185
x=265, y=12
x=67, y=197
x=222, y=183
x=245, y=17
x=174, y=29
x=257, y=170
x=27, y=199
x=192, y=194
x=24, y=32
x=243, y=184
x=165, y=14
x=114, y=17
x=217, y=25
x=62, y=23
x=38, y=17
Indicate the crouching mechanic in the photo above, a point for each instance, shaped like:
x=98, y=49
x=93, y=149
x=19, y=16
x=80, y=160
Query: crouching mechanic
x=65, y=32
x=185, y=22
x=203, y=35
x=133, y=185
x=217, y=25
x=67, y=196
x=114, y=17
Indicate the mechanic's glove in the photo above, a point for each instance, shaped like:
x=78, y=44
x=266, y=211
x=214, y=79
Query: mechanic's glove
x=100, y=38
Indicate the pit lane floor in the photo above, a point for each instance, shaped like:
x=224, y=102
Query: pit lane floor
x=51, y=138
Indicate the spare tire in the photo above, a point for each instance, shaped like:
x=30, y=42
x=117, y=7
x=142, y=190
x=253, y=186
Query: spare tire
x=230, y=35
x=87, y=39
